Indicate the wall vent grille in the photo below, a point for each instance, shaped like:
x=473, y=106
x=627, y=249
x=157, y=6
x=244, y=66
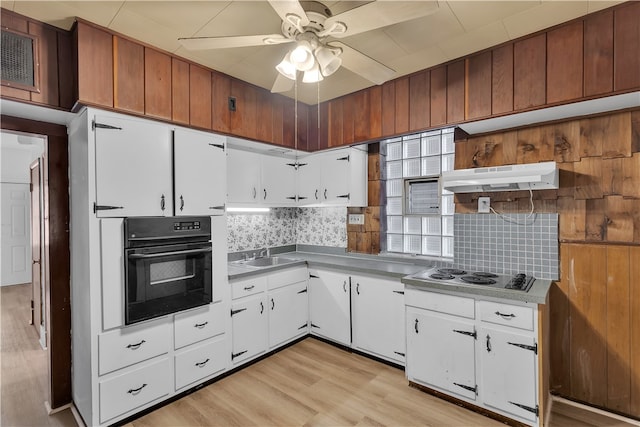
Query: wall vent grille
x=18, y=66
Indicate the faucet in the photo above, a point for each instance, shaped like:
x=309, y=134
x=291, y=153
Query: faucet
x=263, y=251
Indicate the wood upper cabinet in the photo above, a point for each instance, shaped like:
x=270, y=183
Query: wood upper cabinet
x=128, y=75
x=402, y=105
x=375, y=112
x=95, y=65
x=220, y=93
x=419, y=101
x=48, y=64
x=388, y=108
x=626, y=47
x=565, y=62
x=199, y=97
x=361, y=116
x=529, y=70
x=335, y=122
x=264, y=116
x=179, y=91
x=348, y=106
x=243, y=119
x=277, y=119
x=502, y=79
x=478, y=89
x=157, y=84
x=598, y=53
x=288, y=122
x=438, y=99
x=455, y=92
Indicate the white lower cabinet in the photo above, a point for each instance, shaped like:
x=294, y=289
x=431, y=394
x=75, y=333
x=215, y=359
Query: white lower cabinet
x=441, y=351
x=288, y=313
x=329, y=305
x=200, y=361
x=377, y=317
x=249, y=327
x=129, y=390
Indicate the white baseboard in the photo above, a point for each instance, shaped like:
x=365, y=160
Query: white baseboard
x=595, y=410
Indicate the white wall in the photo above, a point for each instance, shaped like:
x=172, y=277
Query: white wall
x=15, y=156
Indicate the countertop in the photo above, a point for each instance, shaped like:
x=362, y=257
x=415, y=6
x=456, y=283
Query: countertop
x=390, y=269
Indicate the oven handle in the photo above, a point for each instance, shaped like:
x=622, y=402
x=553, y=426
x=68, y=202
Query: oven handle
x=142, y=239
x=188, y=251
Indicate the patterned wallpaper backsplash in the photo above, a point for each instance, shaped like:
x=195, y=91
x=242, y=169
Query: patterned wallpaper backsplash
x=287, y=226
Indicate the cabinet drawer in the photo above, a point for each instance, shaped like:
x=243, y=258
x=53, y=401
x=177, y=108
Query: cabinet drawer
x=126, y=346
x=198, y=324
x=250, y=286
x=449, y=304
x=515, y=316
x=287, y=277
x=200, y=361
x=133, y=389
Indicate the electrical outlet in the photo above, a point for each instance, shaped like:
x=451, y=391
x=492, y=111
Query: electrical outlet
x=356, y=219
x=483, y=204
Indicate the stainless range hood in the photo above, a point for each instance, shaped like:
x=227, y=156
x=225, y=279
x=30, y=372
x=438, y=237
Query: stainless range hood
x=534, y=176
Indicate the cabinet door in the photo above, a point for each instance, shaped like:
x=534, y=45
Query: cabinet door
x=133, y=168
x=243, y=177
x=335, y=177
x=249, y=326
x=440, y=353
x=378, y=316
x=278, y=181
x=508, y=371
x=308, y=181
x=329, y=305
x=200, y=172
x=288, y=313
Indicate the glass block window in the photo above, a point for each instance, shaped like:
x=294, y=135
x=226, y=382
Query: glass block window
x=419, y=216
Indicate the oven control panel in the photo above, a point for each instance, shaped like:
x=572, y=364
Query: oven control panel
x=187, y=225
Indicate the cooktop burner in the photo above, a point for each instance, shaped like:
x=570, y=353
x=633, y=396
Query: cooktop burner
x=456, y=276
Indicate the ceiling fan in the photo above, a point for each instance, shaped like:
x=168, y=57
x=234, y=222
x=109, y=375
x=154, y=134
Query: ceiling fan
x=315, y=31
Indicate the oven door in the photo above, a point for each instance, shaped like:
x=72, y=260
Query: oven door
x=165, y=279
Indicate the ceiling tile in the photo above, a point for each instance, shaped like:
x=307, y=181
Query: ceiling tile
x=140, y=27
x=546, y=15
x=474, y=41
x=425, y=58
x=474, y=14
x=377, y=45
x=62, y=13
x=243, y=18
x=594, y=6
x=9, y=5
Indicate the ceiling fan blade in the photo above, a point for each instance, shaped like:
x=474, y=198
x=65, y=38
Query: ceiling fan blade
x=201, y=43
x=286, y=8
x=377, y=14
x=363, y=65
x=282, y=84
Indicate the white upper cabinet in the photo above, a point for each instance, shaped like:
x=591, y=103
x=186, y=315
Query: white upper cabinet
x=244, y=185
x=278, y=181
x=200, y=172
x=133, y=168
x=308, y=183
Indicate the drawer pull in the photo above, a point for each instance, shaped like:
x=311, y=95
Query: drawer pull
x=505, y=316
x=248, y=288
x=200, y=325
x=201, y=364
x=135, y=391
x=415, y=326
x=135, y=346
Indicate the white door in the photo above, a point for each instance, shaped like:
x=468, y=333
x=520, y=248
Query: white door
x=249, y=327
x=16, y=234
x=308, y=181
x=133, y=168
x=378, y=316
x=329, y=305
x=335, y=177
x=288, y=313
x=200, y=172
x=441, y=352
x=243, y=178
x=278, y=181
x=508, y=371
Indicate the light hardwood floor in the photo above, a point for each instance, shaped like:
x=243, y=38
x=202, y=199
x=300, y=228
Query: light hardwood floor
x=309, y=383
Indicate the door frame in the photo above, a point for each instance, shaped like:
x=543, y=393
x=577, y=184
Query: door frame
x=35, y=171
x=55, y=237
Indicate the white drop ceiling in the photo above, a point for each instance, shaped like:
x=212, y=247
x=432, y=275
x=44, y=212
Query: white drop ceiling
x=456, y=29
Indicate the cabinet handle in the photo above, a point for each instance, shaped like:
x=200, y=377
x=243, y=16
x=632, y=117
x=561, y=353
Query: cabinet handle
x=506, y=316
x=200, y=325
x=255, y=193
x=325, y=194
x=181, y=203
x=358, y=288
x=273, y=304
x=201, y=364
x=135, y=346
x=261, y=307
x=265, y=193
x=216, y=207
x=488, y=344
x=344, y=286
x=415, y=326
x=248, y=288
x=316, y=194
x=135, y=391
x=162, y=203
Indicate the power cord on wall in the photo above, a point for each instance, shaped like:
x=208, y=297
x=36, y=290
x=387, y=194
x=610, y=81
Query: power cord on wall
x=513, y=220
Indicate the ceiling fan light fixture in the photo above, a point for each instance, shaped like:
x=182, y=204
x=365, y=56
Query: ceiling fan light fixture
x=286, y=67
x=302, y=56
x=313, y=75
x=328, y=59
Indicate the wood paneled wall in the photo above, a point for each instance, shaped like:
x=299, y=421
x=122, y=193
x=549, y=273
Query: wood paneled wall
x=55, y=70
x=589, y=57
x=595, y=306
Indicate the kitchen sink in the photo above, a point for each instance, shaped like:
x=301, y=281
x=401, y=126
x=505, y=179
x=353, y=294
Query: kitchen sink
x=266, y=261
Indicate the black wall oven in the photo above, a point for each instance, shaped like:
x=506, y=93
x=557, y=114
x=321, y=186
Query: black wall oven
x=168, y=265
